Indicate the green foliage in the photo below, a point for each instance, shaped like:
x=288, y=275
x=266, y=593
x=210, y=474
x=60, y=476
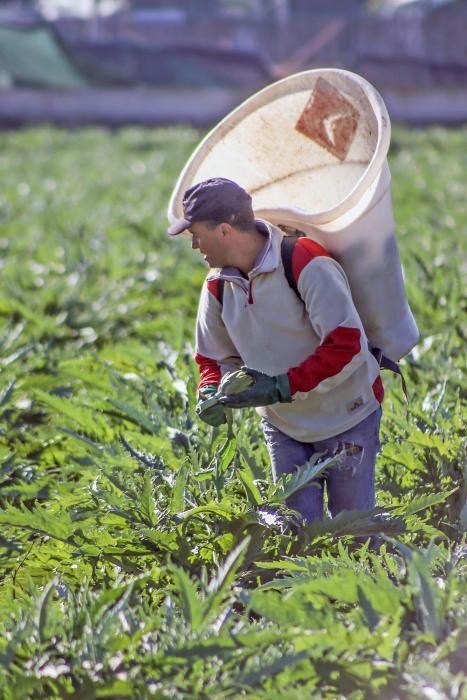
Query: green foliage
x=147, y=555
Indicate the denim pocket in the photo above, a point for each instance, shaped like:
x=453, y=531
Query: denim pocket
x=351, y=457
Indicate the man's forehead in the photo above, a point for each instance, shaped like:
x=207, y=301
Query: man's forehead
x=198, y=227
x=195, y=228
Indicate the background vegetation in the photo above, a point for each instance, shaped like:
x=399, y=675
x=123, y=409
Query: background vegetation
x=145, y=555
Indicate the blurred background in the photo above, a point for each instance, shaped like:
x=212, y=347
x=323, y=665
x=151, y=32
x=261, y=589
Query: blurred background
x=153, y=62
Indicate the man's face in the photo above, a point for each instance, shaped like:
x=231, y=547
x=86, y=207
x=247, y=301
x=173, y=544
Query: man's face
x=210, y=242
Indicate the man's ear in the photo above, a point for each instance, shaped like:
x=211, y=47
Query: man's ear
x=225, y=229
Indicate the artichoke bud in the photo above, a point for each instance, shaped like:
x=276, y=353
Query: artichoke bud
x=236, y=382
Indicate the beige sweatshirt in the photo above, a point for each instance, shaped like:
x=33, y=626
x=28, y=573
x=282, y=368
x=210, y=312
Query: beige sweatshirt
x=318, y=340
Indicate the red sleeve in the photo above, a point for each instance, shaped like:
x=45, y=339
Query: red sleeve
x=341, y=344
x=209, y=371
x=335, y=352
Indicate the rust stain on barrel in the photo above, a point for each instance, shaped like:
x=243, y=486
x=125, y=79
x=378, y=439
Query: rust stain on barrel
x=329, y=119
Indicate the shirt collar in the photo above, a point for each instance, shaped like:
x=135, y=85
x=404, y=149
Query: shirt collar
x=263, y=229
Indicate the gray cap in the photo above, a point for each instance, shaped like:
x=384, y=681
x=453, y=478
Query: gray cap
x=216, y=199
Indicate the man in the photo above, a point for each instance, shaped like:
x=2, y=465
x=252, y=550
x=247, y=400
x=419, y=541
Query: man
x=316, y=384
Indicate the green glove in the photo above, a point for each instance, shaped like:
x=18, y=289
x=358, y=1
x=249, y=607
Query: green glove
x=212, y=414
x=265, y=391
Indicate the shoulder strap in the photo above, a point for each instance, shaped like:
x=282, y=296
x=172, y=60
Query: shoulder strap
x=216, y=288
x=220, y=291
x=287, y=248
x=386, y=363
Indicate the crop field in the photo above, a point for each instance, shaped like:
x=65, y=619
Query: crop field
x=146, y=555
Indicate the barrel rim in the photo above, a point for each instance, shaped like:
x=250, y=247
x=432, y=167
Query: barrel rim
x=262, y=97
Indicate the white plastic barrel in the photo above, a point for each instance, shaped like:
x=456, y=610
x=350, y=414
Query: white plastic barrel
x=311, y=150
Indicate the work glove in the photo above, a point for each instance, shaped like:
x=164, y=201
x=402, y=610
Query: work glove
x=211, y=413
x=264, y=391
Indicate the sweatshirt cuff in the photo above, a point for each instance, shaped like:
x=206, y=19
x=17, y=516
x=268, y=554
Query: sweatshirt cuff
x=283, y=386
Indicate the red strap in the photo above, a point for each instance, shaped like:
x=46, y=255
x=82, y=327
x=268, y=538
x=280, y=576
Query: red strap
x=216, y=287
x=306, y=250
x=378, y=389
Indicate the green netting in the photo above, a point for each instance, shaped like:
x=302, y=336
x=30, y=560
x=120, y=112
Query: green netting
x=180, y=70
x=34, y=57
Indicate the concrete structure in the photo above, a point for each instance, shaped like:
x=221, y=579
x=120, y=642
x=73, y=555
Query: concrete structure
x=179, y=67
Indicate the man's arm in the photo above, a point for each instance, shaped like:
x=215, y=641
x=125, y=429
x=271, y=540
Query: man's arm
x=215, y=352
x=343, y=345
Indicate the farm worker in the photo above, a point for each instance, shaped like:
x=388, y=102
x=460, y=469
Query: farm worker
x=317, y=387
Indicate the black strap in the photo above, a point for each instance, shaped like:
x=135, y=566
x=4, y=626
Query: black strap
x=220, y=291
x=287, y=248
x=386, y=363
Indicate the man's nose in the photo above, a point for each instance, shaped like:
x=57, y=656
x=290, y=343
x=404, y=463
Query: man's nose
x=194, y=243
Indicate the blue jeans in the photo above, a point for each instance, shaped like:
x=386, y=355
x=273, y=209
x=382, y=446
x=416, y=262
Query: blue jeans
x=350, y=484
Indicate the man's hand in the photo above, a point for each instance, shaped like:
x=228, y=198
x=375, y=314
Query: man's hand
x=210, y=412
x=265, y=390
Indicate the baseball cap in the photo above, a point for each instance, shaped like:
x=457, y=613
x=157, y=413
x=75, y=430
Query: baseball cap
x=216, y=199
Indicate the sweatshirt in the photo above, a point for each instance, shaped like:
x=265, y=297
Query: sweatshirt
x=318, y=340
